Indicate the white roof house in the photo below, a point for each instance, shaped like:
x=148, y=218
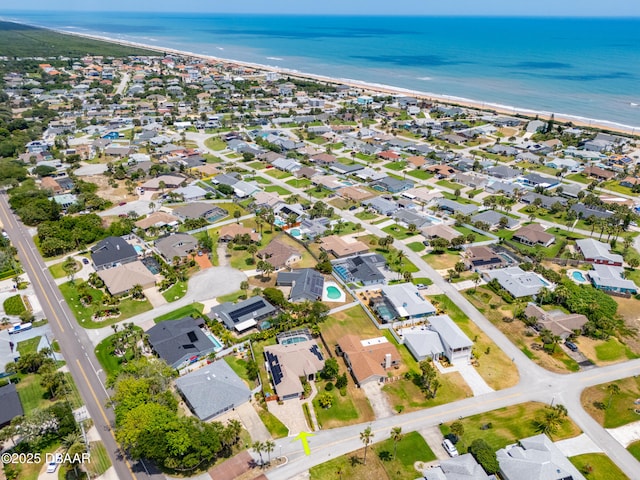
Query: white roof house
x=516, y=281
x=610, y=279
x=598, y=252
x=406, y=300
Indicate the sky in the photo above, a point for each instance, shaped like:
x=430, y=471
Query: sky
x=590, y=8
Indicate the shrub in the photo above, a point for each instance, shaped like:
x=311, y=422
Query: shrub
x=328, y=387
x=14, y=305
x=485, y=456
x=325, y=400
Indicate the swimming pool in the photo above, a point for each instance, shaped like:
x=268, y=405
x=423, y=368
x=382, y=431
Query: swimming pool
x=292, y=340
x=138, y=249
x=385, y=313
x=216, y=343
x=333, y=292
x=279, y=223
x=295, y=232
x=578, y=276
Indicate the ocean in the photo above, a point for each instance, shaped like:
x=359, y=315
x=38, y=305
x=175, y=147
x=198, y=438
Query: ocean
x=575, y=67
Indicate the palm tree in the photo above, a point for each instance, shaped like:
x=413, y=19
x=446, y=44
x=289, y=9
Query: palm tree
x=269, y=446
x=366, y=437
x=258, y=447
x=244, y=285
x=396, y=436
x=613, y=389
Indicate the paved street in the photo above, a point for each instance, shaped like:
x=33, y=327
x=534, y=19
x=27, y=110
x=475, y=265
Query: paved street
x=74, y=344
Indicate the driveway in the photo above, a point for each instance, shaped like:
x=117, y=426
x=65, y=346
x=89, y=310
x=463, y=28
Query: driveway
x=476, y=383
x=290, y=413
x=626, y=434
x=433, y=437
x=378, y=399
x=578, y=446
x=155, y=297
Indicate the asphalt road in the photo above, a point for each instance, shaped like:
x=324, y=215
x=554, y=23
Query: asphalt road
x=74, y=345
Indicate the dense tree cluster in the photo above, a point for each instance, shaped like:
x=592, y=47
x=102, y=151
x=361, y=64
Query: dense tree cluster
x=148, y=424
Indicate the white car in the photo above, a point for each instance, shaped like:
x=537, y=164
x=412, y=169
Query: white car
x=51, y=467
x=450, y=448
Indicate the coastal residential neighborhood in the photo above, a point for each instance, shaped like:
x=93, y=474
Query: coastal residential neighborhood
x=205, y=262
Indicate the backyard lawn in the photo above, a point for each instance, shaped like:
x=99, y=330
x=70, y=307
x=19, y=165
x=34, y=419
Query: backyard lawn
x=507, y=426
x=239, y=366
x=84, y=312
x=621, y=406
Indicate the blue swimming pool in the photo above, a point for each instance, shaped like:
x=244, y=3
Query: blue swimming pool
x=289, y=341
x=295, y=232
x=138, y=249
x=578, y=276
x=215, y=341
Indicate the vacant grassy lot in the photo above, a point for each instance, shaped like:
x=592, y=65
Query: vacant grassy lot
x=442, y=261
x=191, y=310
x=214, y=143
x=508, y=425
x=58, y=272
x=416, y=246
x=365, y=215
x=277, y=189
x=597, y=466
x=380, y=462
x=420, y=174
x=609, y=409
x=279, y=174
x=492, y=363
x=27, y=346
x=342, y=412
x=299, y=182
x=399, y=232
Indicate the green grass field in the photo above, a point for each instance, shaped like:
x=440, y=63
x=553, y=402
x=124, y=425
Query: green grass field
x=176, y=292
x=634, y=449
x=416, y=246
x=214, y=143
x=27, y=346
x=613, y=350
x=420, y=174
x=186, y=311
x=277, y=189
x=597, y=466
x=276, y=428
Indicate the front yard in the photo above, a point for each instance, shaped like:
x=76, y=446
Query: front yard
x=611, y=409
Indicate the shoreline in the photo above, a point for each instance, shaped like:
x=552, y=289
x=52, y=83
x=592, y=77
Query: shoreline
x=576, y=120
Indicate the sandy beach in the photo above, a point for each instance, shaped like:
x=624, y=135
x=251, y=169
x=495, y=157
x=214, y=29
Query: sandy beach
x=380, y=88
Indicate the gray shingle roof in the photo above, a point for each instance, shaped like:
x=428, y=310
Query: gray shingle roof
x=112, y=250
x=235, y=314
x=177, y=340
x=11, y=406
x=213, y=389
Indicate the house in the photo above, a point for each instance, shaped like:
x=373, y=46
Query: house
x=208, y=211
x=368, y=360
x=628, y=182
x=453, y=207
x=361, y=269
x=557, y=322
x=176, y=245
x=389, y=155
x=597, y=252
x=493, y=219
x=504, y=188
x=598, y=173
x=345, y=169
x=111, y=252
x=469, y=180
x=233, y=230
x=406, y=301
x=305, y=283
x=586, y=211
x=122, y=278
x=535, y=458
x=441, y=171
x=49, y=183
x=546, y=201
x=11, y=405
x=532, y=235
x=381, y=205
x=563, y=163
x=279, y=254
x=327, y=181
x=65, y=200
x=323, y=159
x=288, y=363
x=610, y=279
x=571, y=190
x=503, y=172
x=406, y=217
x=516, y=281
x=339, y=247
x=315, y=227
x=180, y=342
x=354, y=193
x=157, y=220
x=462, y=467
x=212, y=390
x=422, y=195
x=533, y=180
x=243, y=315
x=393, y=185
x=191, y=193
x=457, y=346
x=417, y=161
x=286, y=165
x=439, y=230
x=266, y=200
x=163, y=182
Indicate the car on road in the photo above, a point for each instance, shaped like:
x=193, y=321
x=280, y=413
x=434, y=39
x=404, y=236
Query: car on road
x=426, y=243
x=571, y=346
x=450, y=447
x=122, y=204
x=85, y=261
x=52, y=466
x=421, y=286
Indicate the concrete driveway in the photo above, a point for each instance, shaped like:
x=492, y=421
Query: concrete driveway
x=290, y=413
x=378, y=399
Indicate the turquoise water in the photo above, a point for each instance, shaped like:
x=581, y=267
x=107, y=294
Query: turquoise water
x=295, y=232
x=333, y=293
x=289, y=341
x=578, y=276
x=215, y=341
x=138, y=249
x=574, y=66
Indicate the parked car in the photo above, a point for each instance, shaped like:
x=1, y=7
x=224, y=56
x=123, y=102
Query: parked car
x=421, y=286
x=571, y=346
x=122, y=204
x=450, y=447
x=52, y=466
x=85, y=261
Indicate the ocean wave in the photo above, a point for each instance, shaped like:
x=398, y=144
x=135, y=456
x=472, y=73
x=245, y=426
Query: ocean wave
x=426, y=79
x=275, y=58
